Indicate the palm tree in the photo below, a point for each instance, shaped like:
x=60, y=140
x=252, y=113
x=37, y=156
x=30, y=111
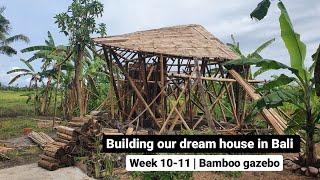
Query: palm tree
x=5, y=39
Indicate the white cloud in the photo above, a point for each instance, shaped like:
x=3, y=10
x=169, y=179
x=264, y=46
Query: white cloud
x=222, y=18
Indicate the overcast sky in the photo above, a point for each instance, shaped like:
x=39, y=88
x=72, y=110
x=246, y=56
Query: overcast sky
x=222, y=18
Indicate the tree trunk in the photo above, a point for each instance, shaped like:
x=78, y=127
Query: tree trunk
x=311, y=155
x=45, y=100
x=77, y=79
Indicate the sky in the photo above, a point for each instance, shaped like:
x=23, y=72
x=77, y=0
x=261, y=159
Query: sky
x=35, y=18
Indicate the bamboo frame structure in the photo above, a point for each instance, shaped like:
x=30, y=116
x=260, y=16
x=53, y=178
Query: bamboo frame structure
x=156, y=87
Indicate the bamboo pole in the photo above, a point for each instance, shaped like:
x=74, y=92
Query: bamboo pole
x=136, y=90
x=163, y=116
x=203, y=101
x=55, y=98
x=172, y=110
x=175, y=75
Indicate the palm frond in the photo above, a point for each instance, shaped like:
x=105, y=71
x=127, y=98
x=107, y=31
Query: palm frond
x=18, y=70
x=18, y=76
x=261, y=48
x=19, y=37
x=28, y=64
x=7, y=50
x=50, y=40
x=38, y=48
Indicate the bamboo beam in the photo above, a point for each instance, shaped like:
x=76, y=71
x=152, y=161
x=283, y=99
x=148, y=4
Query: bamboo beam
x=269, y=115
x=175, y=75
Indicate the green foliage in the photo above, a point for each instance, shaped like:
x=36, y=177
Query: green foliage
x=14, y=104
x=296, y=48
x=261, y=10
x=279, y=81
x=79, y=21
x=316, y=69
x=5, y=41
x=232, y=174
x=307, y=114
x=256, y=53
x=184, y=175
x=24, y=72
x=13, y=127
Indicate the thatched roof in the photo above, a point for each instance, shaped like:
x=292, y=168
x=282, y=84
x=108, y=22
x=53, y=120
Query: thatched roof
x=183, y=41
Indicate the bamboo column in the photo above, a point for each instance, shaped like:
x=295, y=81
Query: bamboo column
x=203, y=97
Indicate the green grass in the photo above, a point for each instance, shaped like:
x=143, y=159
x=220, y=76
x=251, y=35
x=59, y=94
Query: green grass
x=12, y=104
x=25, y=153
x=232, y=174
x=13, y=127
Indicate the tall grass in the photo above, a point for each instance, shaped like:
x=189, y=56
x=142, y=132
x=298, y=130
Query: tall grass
x=13, y=104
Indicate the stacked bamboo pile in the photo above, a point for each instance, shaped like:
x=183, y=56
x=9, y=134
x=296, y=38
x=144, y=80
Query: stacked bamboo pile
x=88, y=135
x=79, y=122
x=42, y=139
x=58, y=152
x=81, y=136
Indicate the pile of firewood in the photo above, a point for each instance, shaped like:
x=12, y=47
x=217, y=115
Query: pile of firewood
x=58, y=153
x=88, y=136
x=78, y=122
x=82, y=137
x=42, y=139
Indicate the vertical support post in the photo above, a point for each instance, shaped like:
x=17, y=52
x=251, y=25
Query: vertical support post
x=162, y=83
x=109, y=62
x=143, y=72
x=203, y=97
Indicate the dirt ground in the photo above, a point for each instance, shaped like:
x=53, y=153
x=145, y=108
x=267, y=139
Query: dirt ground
x=33, y=172
x=20, y=150
x=25, y=152
x=284, y=175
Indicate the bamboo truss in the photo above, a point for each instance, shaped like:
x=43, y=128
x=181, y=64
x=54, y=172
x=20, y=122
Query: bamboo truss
x=199, y=92
x=168, y=91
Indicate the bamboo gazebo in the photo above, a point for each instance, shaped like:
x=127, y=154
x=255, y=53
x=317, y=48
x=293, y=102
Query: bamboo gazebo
x=173, y=76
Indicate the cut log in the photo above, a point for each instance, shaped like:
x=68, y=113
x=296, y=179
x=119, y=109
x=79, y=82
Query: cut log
x=108, y=134
x=66, y=130
x=65, y=136
x=60, y=140
x=130, y=131
x=109, y=130
x=61, y=144
x=48, y=165
x=75, y=124
x=53, y=151
x=67, y=160
x=49, y=159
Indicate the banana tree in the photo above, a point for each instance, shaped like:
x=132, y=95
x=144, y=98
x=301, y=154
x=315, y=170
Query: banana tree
x=307, y=115
x=245, y=71
x=34, y=80
x=50, y=55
